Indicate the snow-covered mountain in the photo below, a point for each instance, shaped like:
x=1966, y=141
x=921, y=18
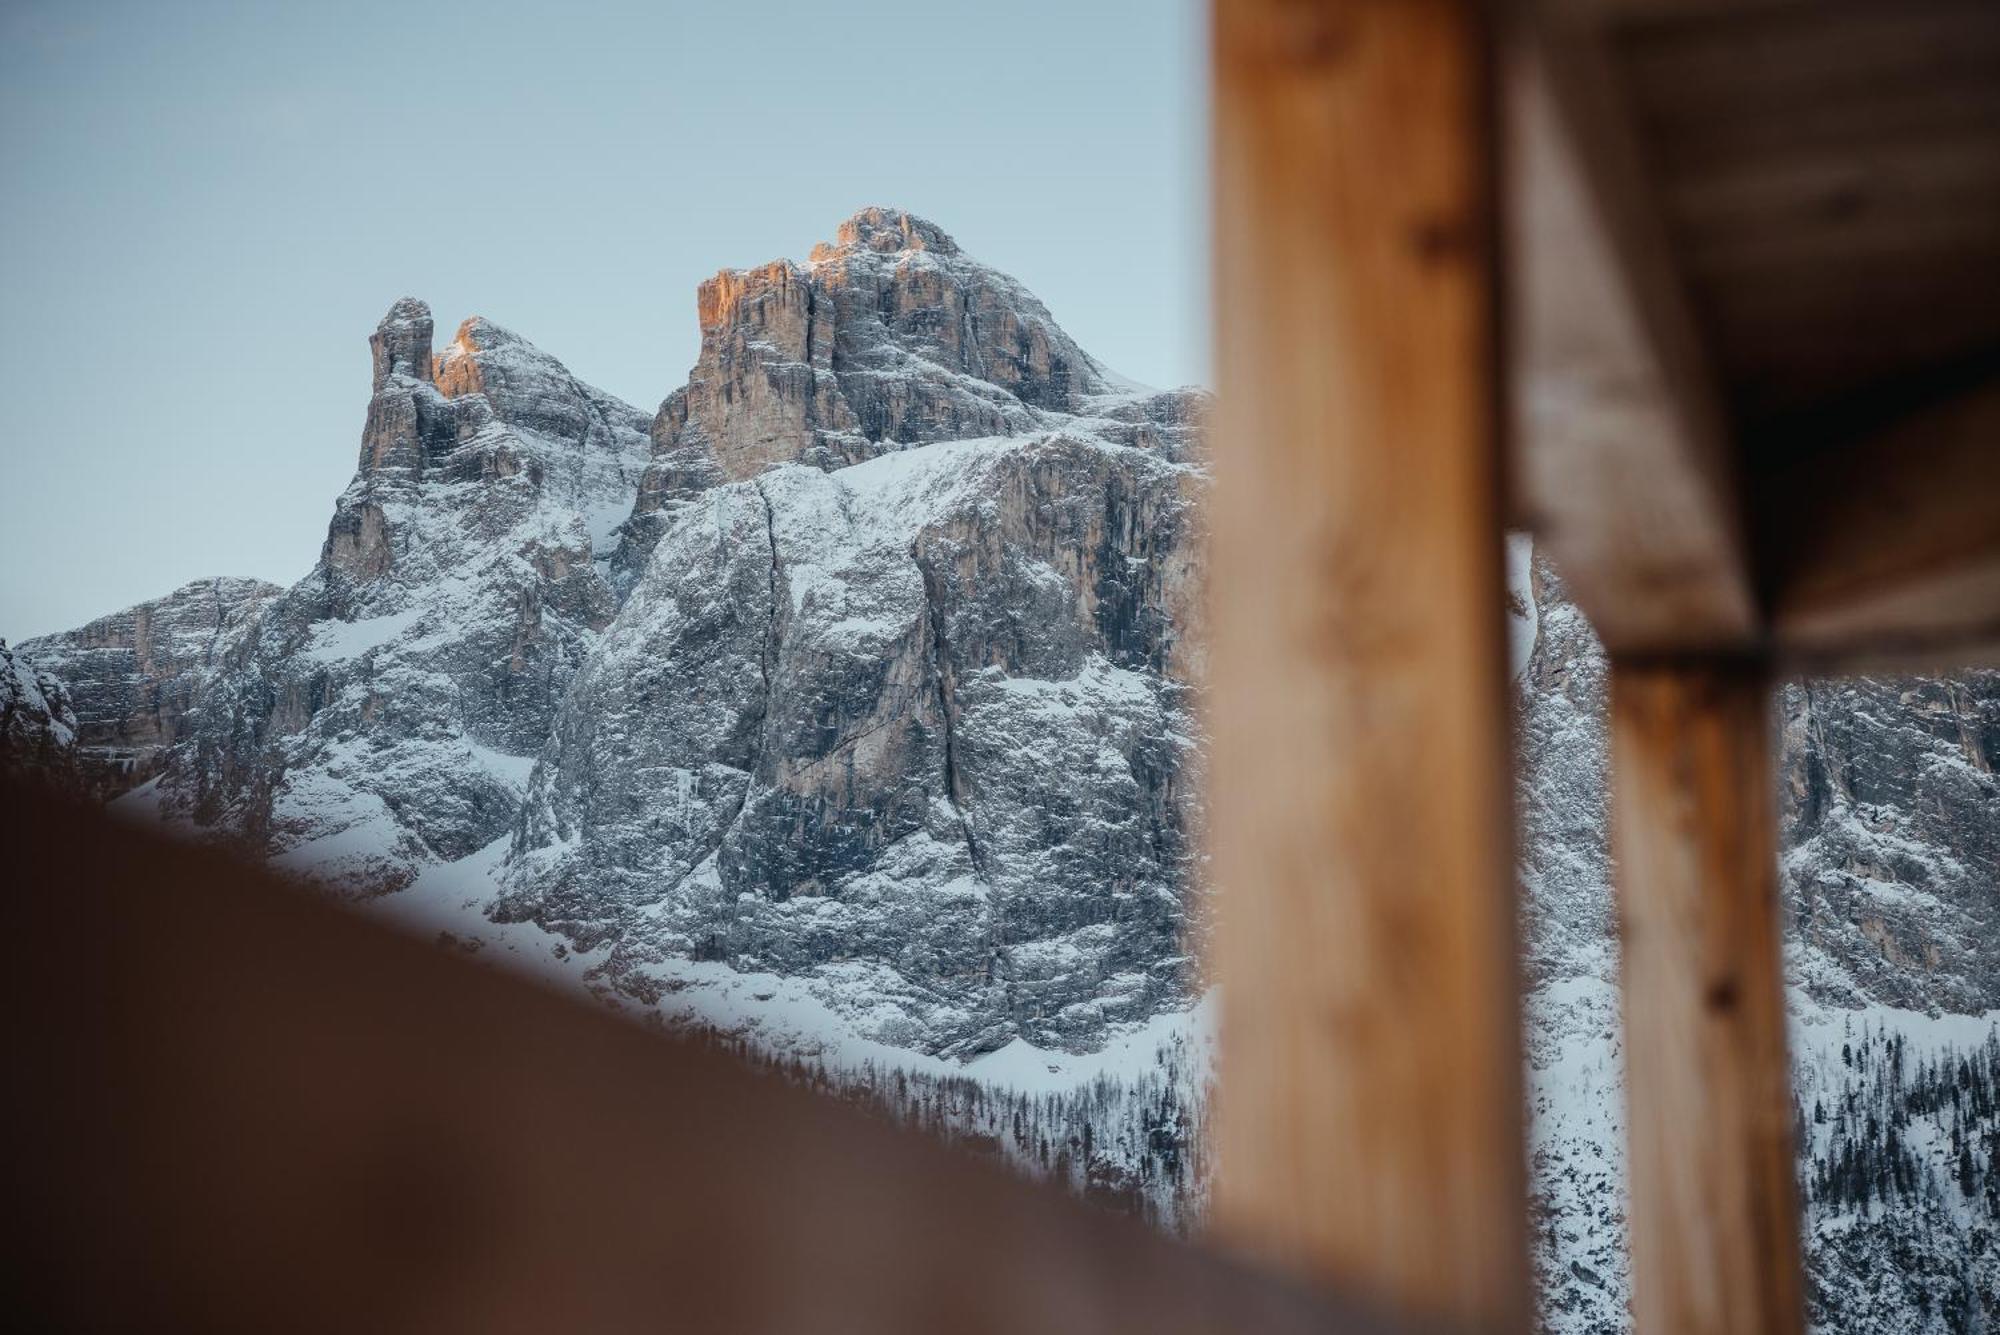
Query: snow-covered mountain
x=845, y=706
x=383, y=714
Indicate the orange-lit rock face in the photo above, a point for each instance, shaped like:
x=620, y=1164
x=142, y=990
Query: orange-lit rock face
x=887, y=337
x=773, y=303
x=761, y=391
x=456, y=370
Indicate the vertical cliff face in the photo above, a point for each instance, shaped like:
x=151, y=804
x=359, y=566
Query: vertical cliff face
x=132, y=677
x=916, y=731
x=1891, y=884
x=1888, y=812
x=1893, y=862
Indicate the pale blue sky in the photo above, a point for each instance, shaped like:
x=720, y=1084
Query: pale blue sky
x=207, y=206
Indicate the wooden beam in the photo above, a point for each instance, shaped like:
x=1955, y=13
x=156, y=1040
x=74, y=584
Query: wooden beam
x=1620, y=458
x=1714, y=1213
x=238, y=1108
x=1611, y=12
x=1370, y=1107
x=1884, y=550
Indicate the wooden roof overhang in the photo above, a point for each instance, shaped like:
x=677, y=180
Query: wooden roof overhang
x=1753, y=251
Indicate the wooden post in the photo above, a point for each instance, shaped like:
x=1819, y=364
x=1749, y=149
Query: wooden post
x=1708, y=1088
x=1370, y=1109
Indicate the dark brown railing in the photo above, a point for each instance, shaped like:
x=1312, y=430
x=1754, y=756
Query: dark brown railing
x=235, y=1107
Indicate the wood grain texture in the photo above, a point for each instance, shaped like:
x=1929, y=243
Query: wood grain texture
x=234, y=1107
x=1714, y=1227
x=1737, y=231
x=1884, y=549
x=1830, y=176
x=1370, y=1104
x=1621, y=459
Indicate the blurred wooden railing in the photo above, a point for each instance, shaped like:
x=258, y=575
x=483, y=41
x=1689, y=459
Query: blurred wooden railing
x=235, y=1107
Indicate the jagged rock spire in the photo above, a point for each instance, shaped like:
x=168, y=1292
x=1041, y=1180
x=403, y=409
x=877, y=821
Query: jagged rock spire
x=401, y=343
x=401, y=347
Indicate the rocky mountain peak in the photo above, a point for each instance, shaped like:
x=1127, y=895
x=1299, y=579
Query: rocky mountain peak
x=886, y=231
x=458, y=368
x=906, y=297
x=489, y=406
x=401, y=343
x=888, y=337
x=477, y=334
x=383, y=711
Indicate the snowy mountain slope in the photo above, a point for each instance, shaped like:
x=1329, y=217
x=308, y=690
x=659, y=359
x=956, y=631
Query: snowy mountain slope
x=862, y=699
x=936, y=748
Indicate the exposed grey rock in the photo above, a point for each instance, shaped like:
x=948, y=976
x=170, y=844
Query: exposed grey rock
x=133, y=676
x=898, y=702
x=917, y=729
x=38, y=728
x=1892, y=829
